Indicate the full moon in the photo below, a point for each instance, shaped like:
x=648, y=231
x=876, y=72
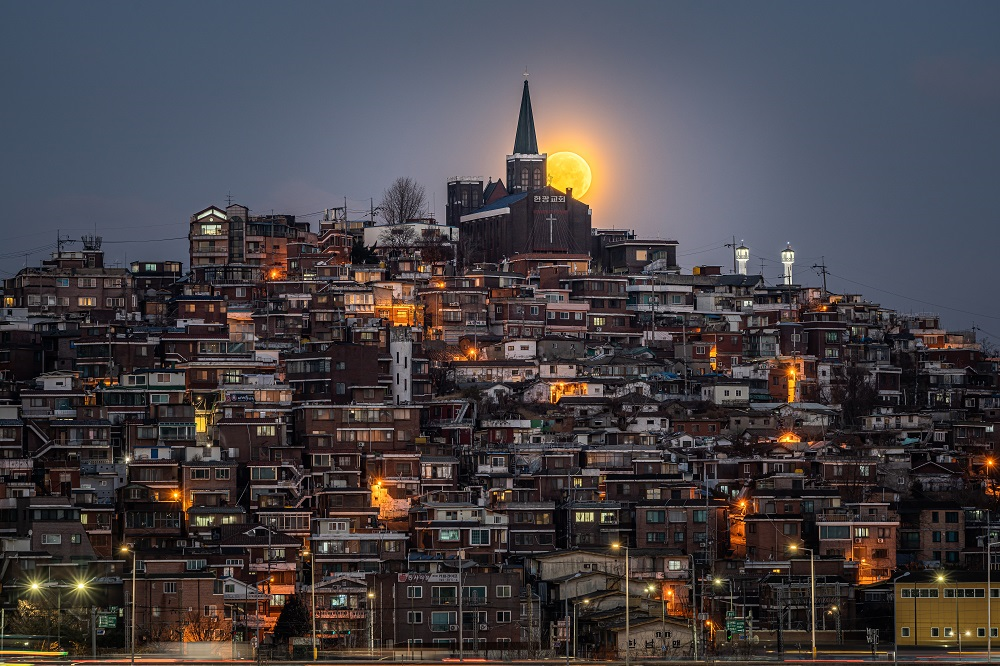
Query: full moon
x=568, y=169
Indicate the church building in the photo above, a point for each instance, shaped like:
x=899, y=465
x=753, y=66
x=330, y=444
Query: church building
x=527, y=216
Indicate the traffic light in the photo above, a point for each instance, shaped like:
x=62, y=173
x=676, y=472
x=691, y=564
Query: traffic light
x=729, y=635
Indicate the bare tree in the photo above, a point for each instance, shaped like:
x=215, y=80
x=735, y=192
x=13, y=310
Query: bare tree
x=398, y=237
x=402, y=201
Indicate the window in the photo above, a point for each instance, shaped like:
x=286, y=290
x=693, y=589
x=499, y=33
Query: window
x=199, y=473
x=86, y=301
x=904, y=632
x=948, y=632
x=951, y=537
x=656, y=516
x=415, y=592
x=584, y=517
x=503, y=617
x=951, y=516
x=414, y=617
x=479, y=537
x=265, y=431
x=222, y=474
x=700, y=515
x=981, y=632
x=51, y=539
x=935, y=632
x=503, y=591
x=170, y=588
x=474, y=592
x=74, y=538
x=656, y=537
x=449, y=535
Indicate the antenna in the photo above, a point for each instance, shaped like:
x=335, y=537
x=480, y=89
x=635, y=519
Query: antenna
x=229, y=198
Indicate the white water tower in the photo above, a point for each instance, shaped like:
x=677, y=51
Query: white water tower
x=742, y=257
x=787, y=259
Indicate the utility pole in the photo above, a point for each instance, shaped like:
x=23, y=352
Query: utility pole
x=822, y=269
x=733, y=246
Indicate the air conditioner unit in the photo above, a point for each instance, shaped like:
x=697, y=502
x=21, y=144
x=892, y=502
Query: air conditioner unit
x=881, y=540
x=452, y=627
x=484, y=627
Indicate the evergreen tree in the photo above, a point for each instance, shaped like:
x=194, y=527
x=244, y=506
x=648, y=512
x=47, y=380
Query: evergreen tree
x=293, y=621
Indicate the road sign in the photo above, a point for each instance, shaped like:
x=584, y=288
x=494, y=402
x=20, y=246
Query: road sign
x=107, y=621
x=737, y=626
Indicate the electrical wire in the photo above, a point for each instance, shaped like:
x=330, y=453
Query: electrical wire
x=915, y=300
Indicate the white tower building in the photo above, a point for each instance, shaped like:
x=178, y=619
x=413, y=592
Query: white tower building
x=742, y=257
x=787, y=259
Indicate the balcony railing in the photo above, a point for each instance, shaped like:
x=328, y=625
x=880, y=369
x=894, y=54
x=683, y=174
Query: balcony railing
x=855, y=518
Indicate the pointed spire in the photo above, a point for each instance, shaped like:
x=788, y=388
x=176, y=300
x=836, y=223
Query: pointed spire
x=525, y=142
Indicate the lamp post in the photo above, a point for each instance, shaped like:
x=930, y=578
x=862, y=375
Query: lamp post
x=628, y=626
x=127, y=549
x=576, y=604
x=371, y=623
x=941, y=579
x=812, y=593
x=835, y=611
x=663, y=618
x=989, y=599
x=694, y=607
x=312, y=598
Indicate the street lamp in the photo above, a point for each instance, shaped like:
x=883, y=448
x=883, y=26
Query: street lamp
x=989, y=599
x=941, y=579
x=371, y=624
x=663, y=618
x=835, y=611
x=812, y=591
x=717, y=582
x=312, y=598
x=576, y=604
x=628, y=626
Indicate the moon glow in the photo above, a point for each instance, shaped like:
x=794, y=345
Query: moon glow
x=567, y=169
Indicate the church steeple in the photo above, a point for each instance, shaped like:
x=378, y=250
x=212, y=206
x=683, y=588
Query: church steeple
x=525, y=166
x=525, y=142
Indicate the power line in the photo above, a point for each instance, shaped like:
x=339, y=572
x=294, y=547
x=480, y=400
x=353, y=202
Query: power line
x=915, y=300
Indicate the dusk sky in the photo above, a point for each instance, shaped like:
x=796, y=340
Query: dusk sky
x=865, y=133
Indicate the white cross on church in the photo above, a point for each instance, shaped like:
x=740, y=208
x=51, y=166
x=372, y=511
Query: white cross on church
x=551, y=219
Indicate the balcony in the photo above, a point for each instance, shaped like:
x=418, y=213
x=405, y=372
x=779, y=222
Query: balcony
x=340, y=614
x=281, y=565
x=856, y=518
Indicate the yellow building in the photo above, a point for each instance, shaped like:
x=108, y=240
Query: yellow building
x=946, y=609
